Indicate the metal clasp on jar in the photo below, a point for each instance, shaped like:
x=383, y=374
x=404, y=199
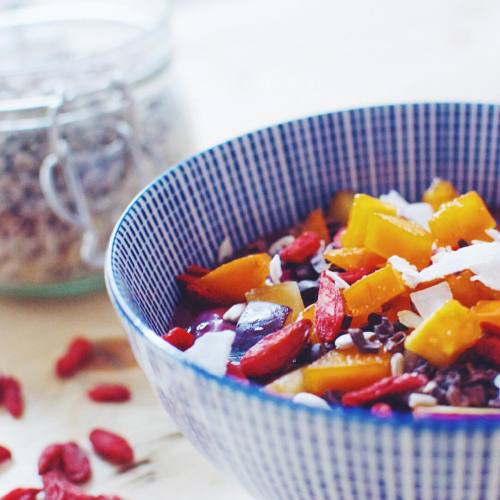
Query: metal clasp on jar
x=83, y=205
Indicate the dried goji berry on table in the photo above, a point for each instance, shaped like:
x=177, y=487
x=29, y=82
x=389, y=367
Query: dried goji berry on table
x=22, y=494
x=388, y=385
x=489, y=349
x=276, y=351
x=330, y=309
x=5, y=454
x=50, y=459
x=301, y=249
x=355, y=275
x=179, y=337
x=234, y=370
x=111, y=447
x=11, y=395
x=109, y=393
x=77, y=354
x=75, y=463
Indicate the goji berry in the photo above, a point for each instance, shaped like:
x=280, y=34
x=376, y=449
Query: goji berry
x=301, y=249
x=11, y=395
x=75, y=463
x=111, y=447
x=354, y=275
x=57, y=487
x=384, y=387
x=489, y=349
x=22, y=494
x=109, y=393
x=235, y=370
x=5, y=454
x=330, y=309
x=179, y=338
x=196, y=270
x=50, y=459
x=78, y=352
x=381, y=410
x=276, y=351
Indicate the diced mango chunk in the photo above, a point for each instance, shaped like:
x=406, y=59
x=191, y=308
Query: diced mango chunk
x=316, y=223
x=488, y=314
x=466, y=217
x=340, y=206
x=287, y=385
x=345, y=370
x=231, y=281
x=468, y=292
x=387, y=235
x=351, y=258
x=362, y=207
x=369, y=293
x=286, y=294
x=442, y=337
x=308, y=313
x=439, y=192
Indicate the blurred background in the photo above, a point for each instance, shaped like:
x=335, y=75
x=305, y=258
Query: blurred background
x=99, y=97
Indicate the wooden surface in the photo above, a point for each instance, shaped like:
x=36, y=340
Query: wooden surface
x=241, y=64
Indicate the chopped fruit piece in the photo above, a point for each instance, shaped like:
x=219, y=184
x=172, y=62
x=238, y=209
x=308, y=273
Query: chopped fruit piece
x=369, y=293
x=488, y=313
x=330, y=310
x=400, y=303
x=340, y=206
x=276, y=351
x=287, y=385
x=286, y=294
x=362, y=207
x=309, y=313
x=229, y=282
x=387, y=235
x=439, y=192
x=445, y=335
x=469, y=292
x=389, y=385
x=301, y=249
x=179, y=338
x=489, y=349
x=345, y=370
x=353, y=258
x=316, y=223
x=464, y=218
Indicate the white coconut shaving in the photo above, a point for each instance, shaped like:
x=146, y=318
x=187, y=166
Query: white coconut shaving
x=275, y=271
x=493, y=233
x=211, y=352
x=420, y=213
x=338, y=280
x=283, y=242
x=308, y=399
x=408, y=271
x=409, y=318
x=429, y=300
x=225, y=249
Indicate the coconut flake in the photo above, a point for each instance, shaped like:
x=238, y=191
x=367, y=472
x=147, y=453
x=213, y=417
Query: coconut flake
x=408, y=271
x=308, y=399
x=409, y=318
x=225, y=249
x=233, y=314
x=338, y=280
x=493, y=233
x=283, y=242
x=420, y=213
x=275, y=271
x=428, y=301
x=211, y=352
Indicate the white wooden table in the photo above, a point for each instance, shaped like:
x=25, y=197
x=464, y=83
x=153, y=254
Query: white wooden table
x=241, y=65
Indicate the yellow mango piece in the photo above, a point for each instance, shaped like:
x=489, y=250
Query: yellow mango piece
x=439, y=192
x=466, y=217
x=231, y=281
x=488, y=314
x=308, y=313
x=351, y=258
x=468, y=292
x=316, y=223
x=369, y=293
x=388, y=235
x=285, y=294
x=345, y=370
x=287, y=385
x=362, y=207
x=442, y=337
x=340, y=206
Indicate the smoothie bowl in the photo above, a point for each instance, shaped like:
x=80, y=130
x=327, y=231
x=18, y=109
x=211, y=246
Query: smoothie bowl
x=318, y=312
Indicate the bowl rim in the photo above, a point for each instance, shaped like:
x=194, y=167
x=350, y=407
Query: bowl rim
x=139, y=327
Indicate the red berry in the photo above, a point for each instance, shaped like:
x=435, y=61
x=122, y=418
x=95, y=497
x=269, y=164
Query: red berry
x=50, y=459
x=381, y=410
x=179, y=338
x=111, y=447
x=489, y=349
x=22, y=494
x=75, y=463
x=5, y=454
x=11, y=395
x=301, y=249
x=275, y=351
x=78, y=352
x=57, y=487
x=109, y=393
x=234, y=370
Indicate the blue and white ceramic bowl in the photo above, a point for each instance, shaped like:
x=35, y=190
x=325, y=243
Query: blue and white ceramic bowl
x=257, y=184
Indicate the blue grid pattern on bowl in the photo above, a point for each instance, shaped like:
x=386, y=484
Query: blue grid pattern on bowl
x=255, y=185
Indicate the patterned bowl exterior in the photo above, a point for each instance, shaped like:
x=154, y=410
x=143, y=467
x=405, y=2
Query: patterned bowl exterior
x=262, y=182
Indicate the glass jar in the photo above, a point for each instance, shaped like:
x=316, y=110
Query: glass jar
x=88, y=115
